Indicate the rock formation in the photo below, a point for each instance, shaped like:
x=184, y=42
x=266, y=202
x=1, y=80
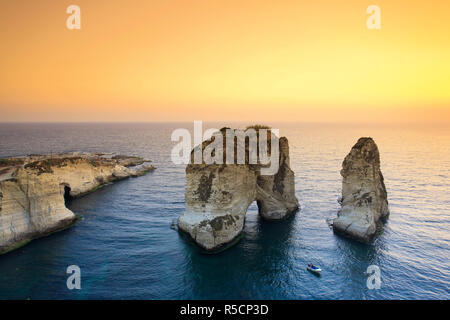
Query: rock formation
x=218, y=196
x=33, y=191
x=364, y=198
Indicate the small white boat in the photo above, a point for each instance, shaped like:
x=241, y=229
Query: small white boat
x=313, y=268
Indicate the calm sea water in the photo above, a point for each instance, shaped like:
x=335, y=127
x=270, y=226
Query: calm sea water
x=126, y=249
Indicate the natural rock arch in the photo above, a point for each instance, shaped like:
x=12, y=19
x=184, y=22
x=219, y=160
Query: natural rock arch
x=218, y=197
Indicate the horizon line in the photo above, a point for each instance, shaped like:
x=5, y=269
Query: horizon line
x=234, y=121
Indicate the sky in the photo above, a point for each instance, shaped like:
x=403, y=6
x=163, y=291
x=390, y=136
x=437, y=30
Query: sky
x=215, y=60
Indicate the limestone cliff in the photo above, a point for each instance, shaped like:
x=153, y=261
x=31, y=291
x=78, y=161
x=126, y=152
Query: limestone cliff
x=218, y=196
x=364, y=198
x=33, y=191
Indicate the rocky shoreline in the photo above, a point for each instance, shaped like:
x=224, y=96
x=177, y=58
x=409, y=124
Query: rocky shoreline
x=33, y=190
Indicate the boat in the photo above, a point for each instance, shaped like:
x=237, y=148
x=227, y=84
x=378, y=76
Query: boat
x=313, y=268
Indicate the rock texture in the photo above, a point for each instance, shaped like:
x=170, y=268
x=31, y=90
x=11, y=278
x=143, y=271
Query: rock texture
x=364, y=198
x=218, y=196
x=33, y=191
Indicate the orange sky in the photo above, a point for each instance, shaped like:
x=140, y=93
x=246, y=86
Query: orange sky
x=173, y=60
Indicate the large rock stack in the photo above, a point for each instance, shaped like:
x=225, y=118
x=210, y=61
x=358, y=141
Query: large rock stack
x=364, y=198
x=218, y=195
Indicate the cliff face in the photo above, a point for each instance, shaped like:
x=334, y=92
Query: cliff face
x=32, y=191
x=218, y=196
x=364, y=197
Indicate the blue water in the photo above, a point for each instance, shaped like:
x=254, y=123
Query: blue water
x=126, y=249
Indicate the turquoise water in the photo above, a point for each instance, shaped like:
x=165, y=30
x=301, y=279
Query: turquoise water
x=126, y=249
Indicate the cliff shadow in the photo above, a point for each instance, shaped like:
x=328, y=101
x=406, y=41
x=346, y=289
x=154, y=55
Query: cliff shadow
x=67, y=197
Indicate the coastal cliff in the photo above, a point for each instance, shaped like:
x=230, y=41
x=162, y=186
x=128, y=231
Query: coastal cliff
x=33, y=190
x=218, y=196
x=364, y=197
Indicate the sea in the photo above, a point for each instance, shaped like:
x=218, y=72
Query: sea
x=126, y=249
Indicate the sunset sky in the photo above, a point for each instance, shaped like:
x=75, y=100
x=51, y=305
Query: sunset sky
x=173, y=60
